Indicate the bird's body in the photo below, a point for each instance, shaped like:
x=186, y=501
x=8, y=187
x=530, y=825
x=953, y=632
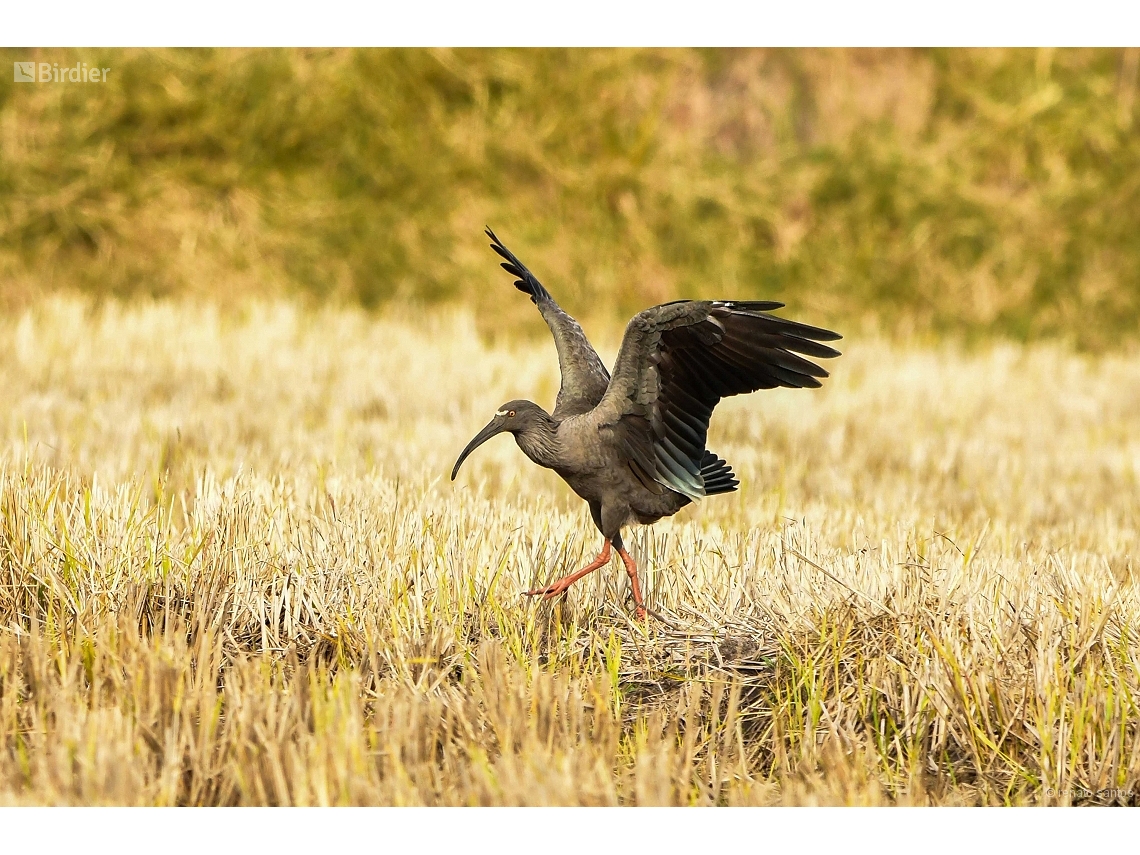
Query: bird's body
x=632, y=445
x=584, y=452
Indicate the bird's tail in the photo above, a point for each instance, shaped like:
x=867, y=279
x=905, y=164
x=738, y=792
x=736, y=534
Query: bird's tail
x=717, y=474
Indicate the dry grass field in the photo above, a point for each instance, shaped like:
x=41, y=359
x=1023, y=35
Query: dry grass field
x=233, y=571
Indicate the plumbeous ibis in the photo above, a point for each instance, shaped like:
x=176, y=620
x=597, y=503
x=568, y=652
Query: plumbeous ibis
x=632, y=444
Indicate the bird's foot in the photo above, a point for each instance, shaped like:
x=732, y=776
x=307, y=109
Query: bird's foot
x=549, y=591
x=635, y=587
x=563, y=584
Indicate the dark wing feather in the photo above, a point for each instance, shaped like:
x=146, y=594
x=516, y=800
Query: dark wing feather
x=584, y=376
x=675, y=364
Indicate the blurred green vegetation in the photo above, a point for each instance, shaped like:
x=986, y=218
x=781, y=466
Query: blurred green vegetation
x=965, y=192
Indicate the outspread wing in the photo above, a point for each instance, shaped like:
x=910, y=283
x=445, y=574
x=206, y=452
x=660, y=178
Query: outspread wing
x=584, y=377
x=675, y=364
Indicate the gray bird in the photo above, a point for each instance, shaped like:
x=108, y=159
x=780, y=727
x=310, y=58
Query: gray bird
x=633, y=444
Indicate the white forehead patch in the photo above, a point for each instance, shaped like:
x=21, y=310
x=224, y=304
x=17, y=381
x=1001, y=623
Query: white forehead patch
x=501, y=413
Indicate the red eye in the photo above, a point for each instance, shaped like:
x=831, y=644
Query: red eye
x=511, y=414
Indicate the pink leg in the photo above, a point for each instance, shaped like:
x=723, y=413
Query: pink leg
x=631, y=569
x=561, y=586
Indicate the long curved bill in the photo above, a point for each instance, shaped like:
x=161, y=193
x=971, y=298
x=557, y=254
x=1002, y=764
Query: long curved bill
x=494, y=428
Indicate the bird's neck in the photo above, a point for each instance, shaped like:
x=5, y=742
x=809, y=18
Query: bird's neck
x=539, y=442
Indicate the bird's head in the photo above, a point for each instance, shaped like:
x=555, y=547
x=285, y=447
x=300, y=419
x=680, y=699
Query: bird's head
x=513, y=417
